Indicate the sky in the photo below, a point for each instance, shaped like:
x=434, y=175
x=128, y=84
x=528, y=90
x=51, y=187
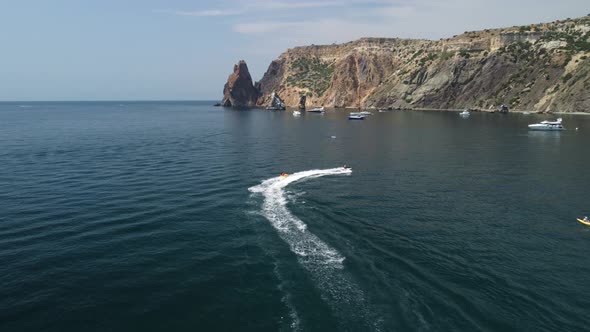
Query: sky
x=185, y=49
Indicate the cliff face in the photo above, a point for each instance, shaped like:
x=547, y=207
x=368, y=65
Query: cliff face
x=543, y=67
x=239, y=91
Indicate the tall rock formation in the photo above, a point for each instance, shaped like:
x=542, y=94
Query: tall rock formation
x=302, y=101
x=239, y=91
x=276, y=104
x=539, y=67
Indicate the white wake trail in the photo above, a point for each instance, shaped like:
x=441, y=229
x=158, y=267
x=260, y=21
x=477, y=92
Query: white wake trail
x=294, y=231
x=324, y=263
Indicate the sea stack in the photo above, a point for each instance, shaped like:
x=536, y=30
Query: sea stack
x=239, y=91
x=302, y=101
x=276, y=104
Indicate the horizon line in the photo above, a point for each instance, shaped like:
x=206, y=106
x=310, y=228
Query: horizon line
x=105, y=100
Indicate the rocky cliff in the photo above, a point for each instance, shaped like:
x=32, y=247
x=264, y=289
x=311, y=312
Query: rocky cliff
x=541, y=67
x=239, y=91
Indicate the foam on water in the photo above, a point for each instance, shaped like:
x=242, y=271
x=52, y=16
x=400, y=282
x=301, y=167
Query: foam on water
x=324, y=263
x=292, y=229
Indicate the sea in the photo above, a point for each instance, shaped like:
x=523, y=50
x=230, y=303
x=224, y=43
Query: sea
x=172, y=216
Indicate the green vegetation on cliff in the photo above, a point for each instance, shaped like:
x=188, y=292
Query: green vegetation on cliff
x=312, y=74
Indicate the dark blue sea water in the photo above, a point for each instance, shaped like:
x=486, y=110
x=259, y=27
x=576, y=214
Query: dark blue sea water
x=151, y=216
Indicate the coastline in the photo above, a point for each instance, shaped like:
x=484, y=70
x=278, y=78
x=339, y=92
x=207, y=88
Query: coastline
x=424, y=109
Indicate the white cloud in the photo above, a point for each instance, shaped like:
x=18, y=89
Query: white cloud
x=395, y=11
x=277, y=5
x=255, y=6
x=209, y=12
x=263, y=27
x=319, y=31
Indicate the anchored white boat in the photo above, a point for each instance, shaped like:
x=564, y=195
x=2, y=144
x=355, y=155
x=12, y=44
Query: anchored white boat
x=547, y=125
x=295, y=113
x=365, y=113
x=317, y=110
x=465, y=113
x=356, y=116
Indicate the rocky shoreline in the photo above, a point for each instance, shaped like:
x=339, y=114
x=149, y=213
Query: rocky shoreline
x=454, y=110
x=542, y=67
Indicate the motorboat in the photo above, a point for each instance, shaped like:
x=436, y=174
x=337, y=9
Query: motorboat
x=295, y=113
x=465, y=113
x=547, y=125
x=356, y=116
x=317, y=110
x=365, y=113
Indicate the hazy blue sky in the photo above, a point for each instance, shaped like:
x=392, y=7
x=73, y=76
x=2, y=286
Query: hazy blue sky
x=181, y=49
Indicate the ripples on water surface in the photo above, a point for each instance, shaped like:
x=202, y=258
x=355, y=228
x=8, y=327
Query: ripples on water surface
x=170, y=215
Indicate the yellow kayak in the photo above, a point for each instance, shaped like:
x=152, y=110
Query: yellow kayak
x=587, y=223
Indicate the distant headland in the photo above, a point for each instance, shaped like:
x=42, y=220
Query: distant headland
x=540, y=67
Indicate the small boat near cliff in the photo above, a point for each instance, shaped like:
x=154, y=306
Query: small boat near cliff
x=296, y=113
x=356, y=116
x=465, y=114
x=547, y=125
x=317, y=110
